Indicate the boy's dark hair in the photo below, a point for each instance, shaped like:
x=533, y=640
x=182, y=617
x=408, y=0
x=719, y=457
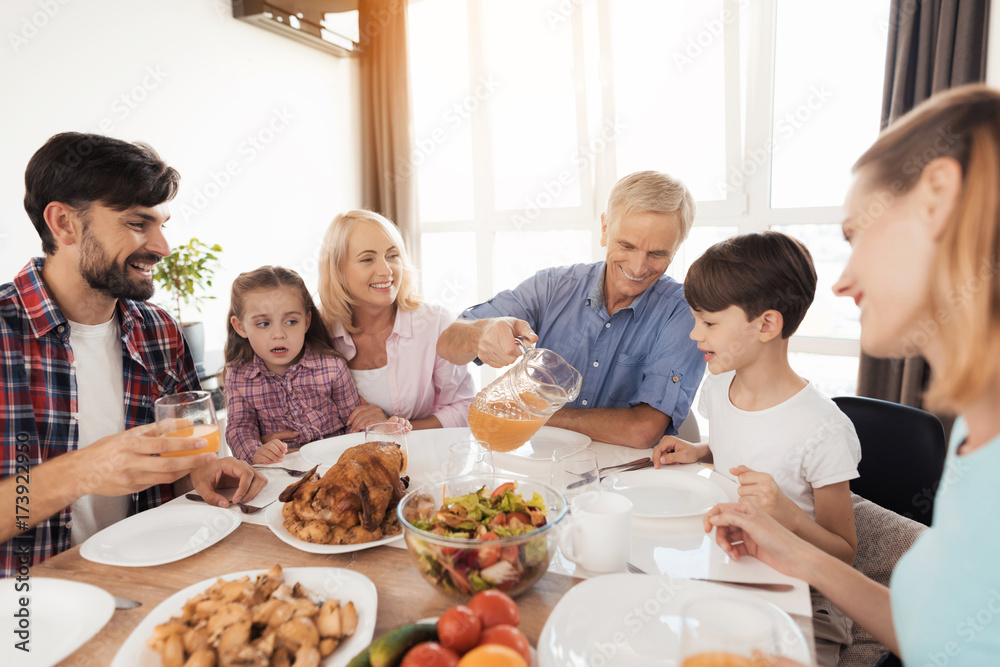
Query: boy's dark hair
x=82, y=169
x=757, y=272
x=238, y=349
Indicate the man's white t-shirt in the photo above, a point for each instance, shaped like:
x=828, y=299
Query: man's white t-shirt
x=805, y=442
x=100, y=392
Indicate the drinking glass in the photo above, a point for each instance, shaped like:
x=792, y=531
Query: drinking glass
x=189, y=414
x=389, y=432
x=574, y=470
x=469, y=457
x=727, y=632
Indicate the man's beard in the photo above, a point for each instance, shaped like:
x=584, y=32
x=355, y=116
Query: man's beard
x=107, y=277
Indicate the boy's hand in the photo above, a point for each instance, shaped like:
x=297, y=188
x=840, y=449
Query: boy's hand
x=671, y=449
x=760, y=490
x=270, y=452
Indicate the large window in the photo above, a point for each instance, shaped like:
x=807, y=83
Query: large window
x=528, y=111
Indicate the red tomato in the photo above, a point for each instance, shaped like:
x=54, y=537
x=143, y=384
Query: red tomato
x=509, y=554
x=522, y=517
x=503, y=488
x=495, y=608
x=486, y=556
x=429, y=654
x=507, y=635
x=459, y=628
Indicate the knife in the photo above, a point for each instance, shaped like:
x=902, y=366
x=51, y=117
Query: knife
x=778, y=588
x=639, y=464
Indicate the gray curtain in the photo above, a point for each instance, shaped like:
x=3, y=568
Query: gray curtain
x=933, y=45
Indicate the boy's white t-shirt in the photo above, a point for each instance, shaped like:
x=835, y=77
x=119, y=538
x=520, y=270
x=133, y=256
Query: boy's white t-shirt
x=805, y=442
x=100, y=391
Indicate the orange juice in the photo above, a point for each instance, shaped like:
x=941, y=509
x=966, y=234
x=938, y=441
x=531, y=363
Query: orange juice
x=503, y=424
x=209, y=432
x=720, y=659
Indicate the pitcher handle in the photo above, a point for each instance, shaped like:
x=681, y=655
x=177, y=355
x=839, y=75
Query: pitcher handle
x=523, y=343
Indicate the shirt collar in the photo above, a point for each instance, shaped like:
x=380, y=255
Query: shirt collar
x=43, y=313
x=403, y=327
x=595, y=297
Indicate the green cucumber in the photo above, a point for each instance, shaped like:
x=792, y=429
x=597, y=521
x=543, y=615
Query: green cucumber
x=389, y=649
x=361, y=659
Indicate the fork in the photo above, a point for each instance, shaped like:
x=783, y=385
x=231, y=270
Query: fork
x=246, y=509
x=293, y=473
x=617, y=465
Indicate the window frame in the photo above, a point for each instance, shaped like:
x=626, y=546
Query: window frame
x=747, y=208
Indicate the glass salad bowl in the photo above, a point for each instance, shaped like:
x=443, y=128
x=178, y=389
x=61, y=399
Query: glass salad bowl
x=481, y=532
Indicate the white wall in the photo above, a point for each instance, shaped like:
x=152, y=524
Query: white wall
x=197, y=85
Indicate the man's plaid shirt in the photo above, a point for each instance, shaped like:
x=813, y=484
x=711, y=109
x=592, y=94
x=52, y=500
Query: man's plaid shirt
x=38, y=401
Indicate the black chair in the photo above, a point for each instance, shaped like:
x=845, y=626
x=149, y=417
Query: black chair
x=902, y=455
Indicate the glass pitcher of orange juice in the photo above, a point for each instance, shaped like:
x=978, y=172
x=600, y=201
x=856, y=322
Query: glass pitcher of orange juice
x=513, y=407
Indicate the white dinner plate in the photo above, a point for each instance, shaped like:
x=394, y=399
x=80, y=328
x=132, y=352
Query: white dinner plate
x=547, y=440
x=634, y=621
x=322, y=583
x=277, y=525
x=62, y=616
x=327, y=452
x=160, y=535
x=666, y=493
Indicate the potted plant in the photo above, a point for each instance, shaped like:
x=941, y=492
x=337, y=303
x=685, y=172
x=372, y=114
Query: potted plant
x=184, y=275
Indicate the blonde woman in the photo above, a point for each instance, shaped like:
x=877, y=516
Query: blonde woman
x=923, y=221
x=370, y=304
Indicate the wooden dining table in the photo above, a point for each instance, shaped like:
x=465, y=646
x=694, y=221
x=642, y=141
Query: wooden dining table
x=403, y=595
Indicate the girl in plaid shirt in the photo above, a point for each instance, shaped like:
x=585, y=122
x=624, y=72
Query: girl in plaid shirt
x=282, y=373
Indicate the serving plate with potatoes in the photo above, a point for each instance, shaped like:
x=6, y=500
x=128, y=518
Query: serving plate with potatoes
x=297, y=616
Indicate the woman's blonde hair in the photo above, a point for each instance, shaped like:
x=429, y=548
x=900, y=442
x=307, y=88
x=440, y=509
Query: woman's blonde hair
x=336, y=304
x=962, y=124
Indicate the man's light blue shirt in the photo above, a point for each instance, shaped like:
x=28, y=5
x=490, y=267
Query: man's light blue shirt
x=641, y=354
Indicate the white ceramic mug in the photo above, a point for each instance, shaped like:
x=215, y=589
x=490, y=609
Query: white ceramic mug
x=599, y=538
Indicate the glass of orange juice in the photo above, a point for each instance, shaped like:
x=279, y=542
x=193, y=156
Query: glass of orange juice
x=189, y=414
x=723, y=631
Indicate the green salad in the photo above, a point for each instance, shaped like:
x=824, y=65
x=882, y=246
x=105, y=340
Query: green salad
x=484, y=517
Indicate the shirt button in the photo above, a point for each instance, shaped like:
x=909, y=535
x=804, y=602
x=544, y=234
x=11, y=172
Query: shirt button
x=61, y=328
x=69, y=524
x=596, y=364
x=608, y=325
x=675, y=379
x=583, y=402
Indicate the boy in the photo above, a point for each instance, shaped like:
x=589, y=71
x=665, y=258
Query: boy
x=789, y=446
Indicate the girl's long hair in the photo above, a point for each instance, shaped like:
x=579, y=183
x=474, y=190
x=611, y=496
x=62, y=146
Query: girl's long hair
x=238, y=349
x=337, y=303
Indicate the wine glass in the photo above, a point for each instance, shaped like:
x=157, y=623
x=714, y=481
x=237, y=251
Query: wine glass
x=189, y=414
x=469, y=457
x=389, y=432
x=727, y=632
x=574, y=470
